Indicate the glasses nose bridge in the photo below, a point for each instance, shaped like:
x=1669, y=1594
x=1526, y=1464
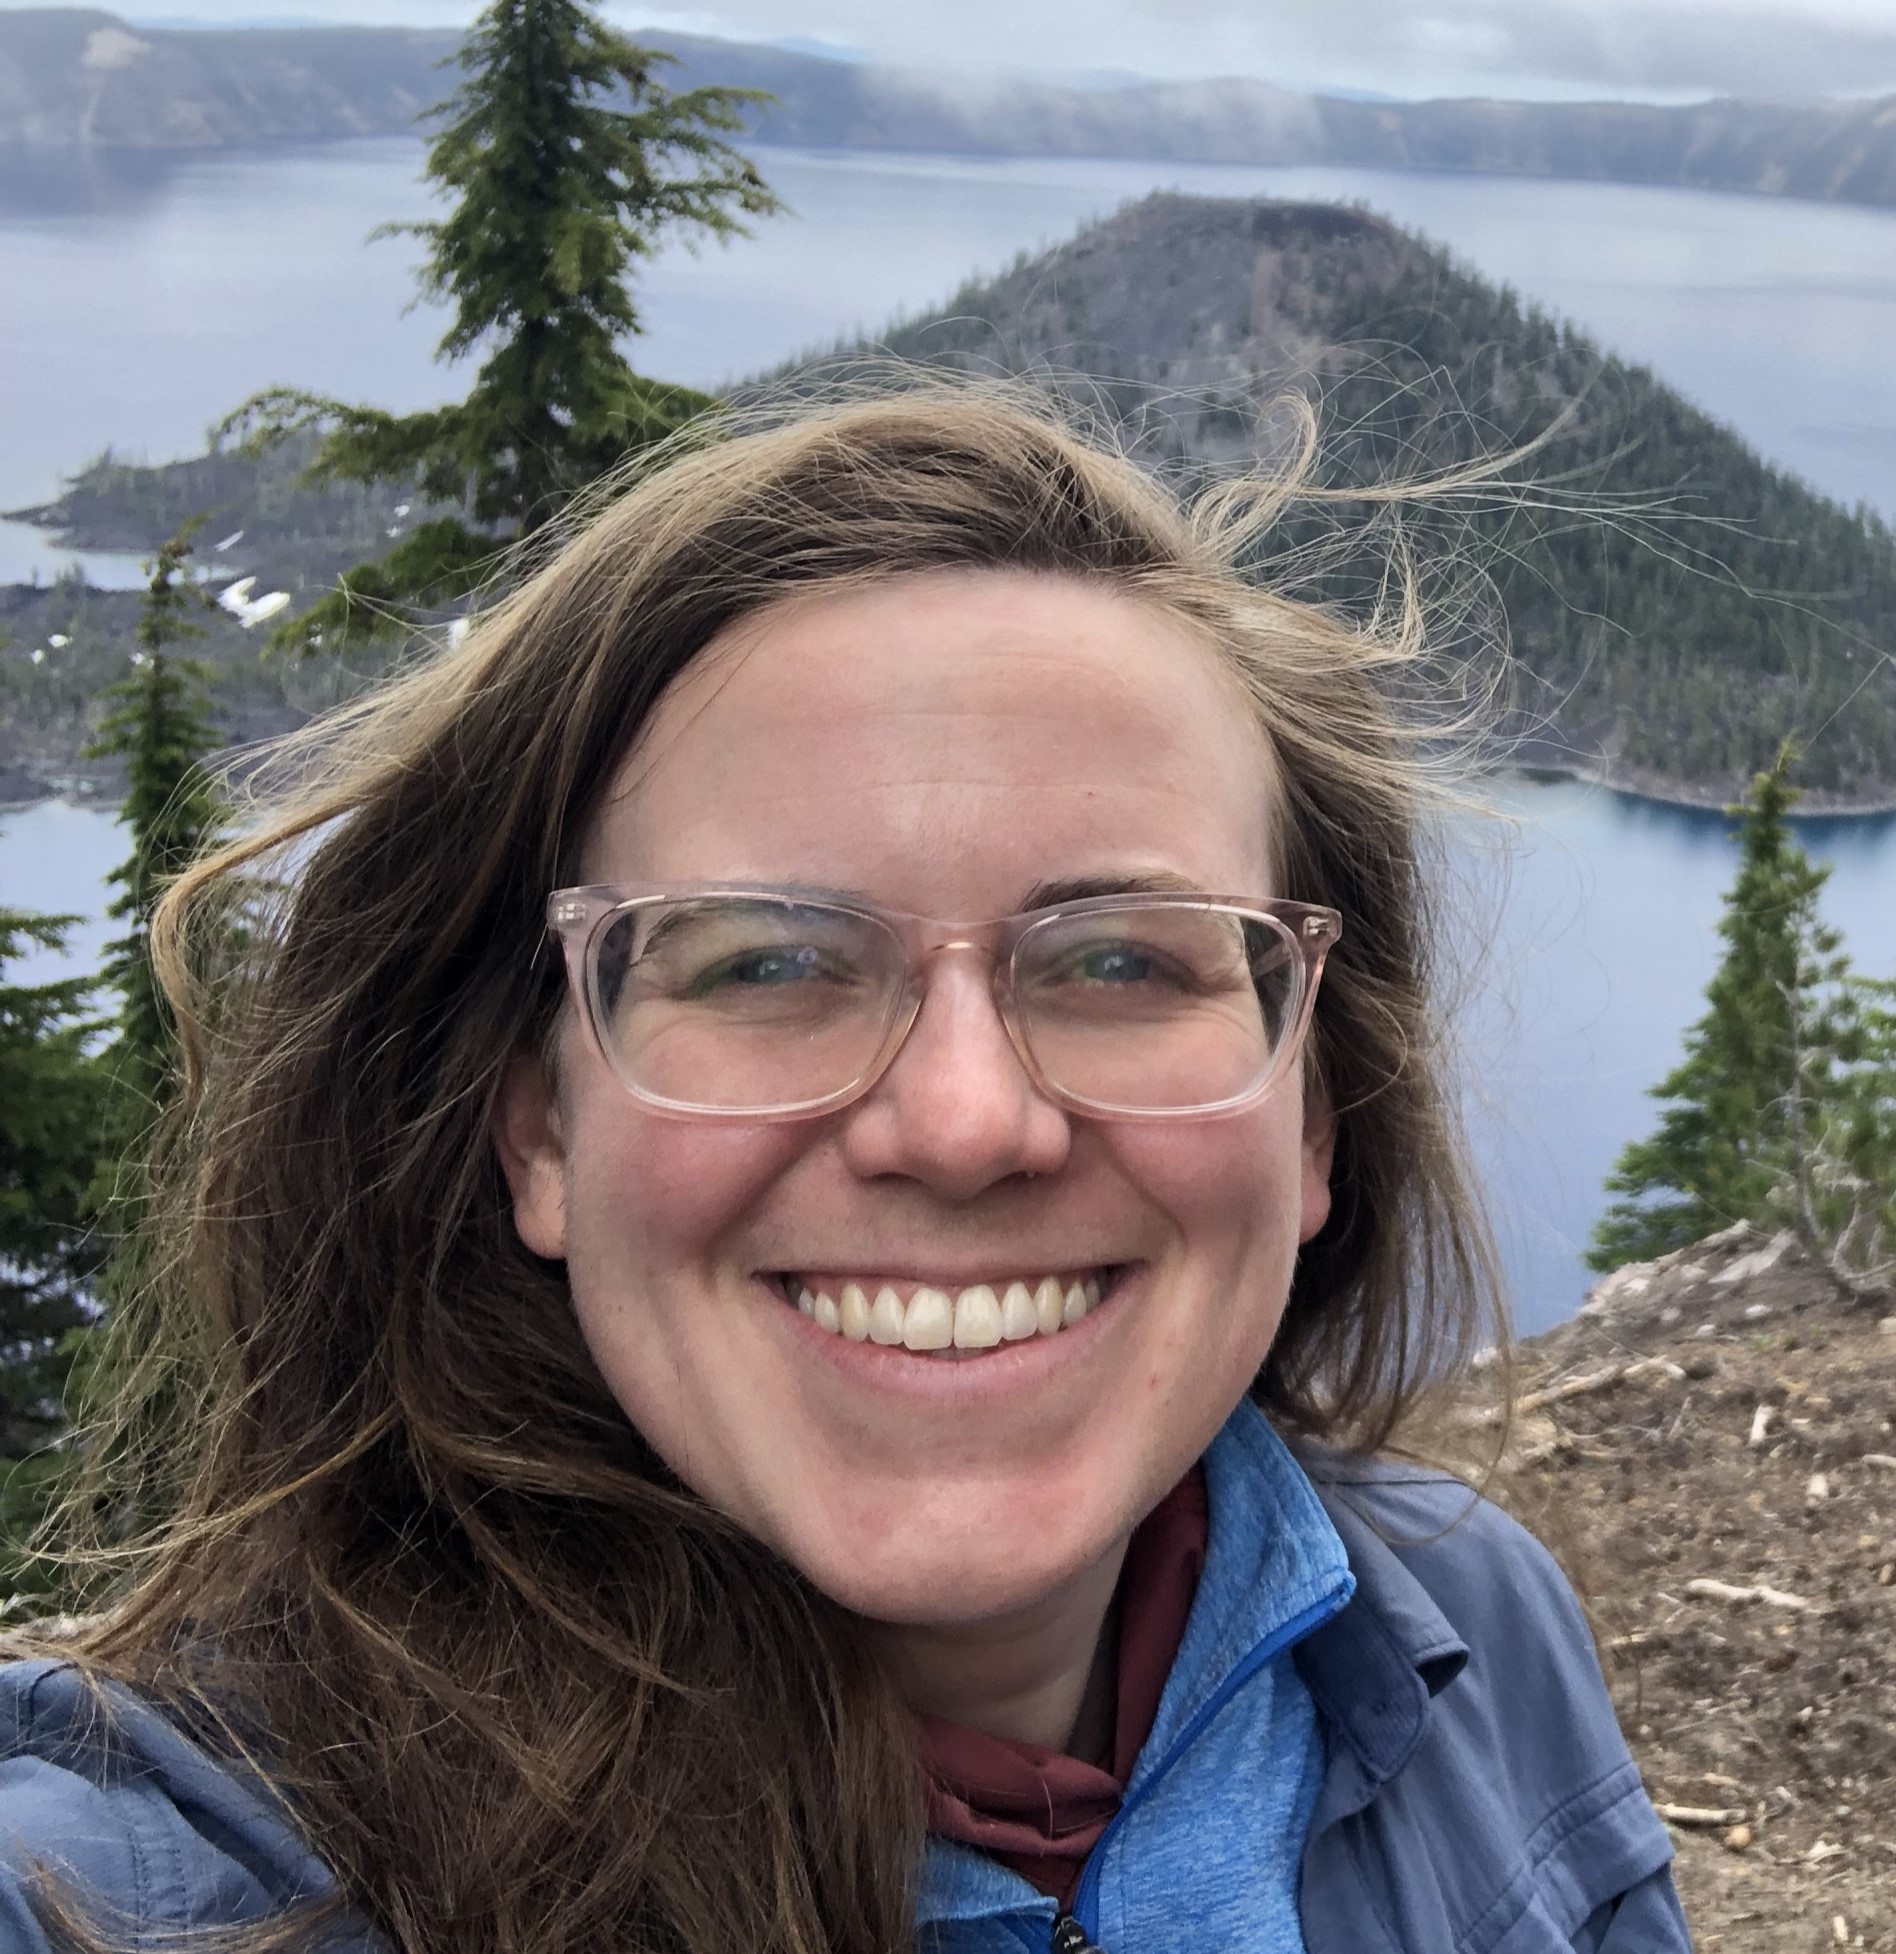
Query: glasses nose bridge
x=927, y=944
x=934, y=946
x=933, y=941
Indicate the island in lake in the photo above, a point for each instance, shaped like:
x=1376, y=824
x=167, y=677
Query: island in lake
x=1675, y=606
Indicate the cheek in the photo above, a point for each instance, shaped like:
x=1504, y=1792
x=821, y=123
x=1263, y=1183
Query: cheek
x=654, y=1203
x=1229, y=1193
x=1232, y=1193
x=1230, y=1186
x=659, y=1213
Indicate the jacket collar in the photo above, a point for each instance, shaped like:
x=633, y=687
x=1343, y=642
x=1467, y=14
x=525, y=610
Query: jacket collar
x=1373, y=1668
x=1273, y=1561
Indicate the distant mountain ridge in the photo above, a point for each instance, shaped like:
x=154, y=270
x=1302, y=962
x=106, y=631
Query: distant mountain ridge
x=73, y=77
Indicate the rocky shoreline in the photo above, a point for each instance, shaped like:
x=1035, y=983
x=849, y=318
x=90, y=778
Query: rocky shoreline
x=1638, y=785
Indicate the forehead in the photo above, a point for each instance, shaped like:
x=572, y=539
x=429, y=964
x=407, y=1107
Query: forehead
x=925, y=738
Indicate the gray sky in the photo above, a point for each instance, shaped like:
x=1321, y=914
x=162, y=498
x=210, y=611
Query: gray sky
x=1649, y=49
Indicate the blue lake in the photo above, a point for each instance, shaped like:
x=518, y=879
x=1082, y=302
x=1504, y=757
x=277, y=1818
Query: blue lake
x=137, y=306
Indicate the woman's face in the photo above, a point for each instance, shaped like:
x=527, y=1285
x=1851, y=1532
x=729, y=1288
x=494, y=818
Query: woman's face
x=945, y=744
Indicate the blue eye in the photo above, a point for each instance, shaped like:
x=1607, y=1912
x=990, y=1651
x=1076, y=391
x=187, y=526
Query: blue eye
x=765, y=969
x=1115, y=963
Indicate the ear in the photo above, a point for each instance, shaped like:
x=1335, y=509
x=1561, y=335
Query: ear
x=526, y=1135
x=1319, y=1151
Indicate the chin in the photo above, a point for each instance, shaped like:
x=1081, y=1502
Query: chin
x=913, y=1578
x=932, y=1597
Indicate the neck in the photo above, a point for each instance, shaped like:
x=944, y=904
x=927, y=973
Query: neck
x=1046, y=1674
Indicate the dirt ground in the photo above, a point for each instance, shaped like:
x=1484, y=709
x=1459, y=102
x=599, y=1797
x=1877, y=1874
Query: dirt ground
x=1709, y=1419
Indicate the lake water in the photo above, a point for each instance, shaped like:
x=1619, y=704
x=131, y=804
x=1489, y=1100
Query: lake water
x=136, y=306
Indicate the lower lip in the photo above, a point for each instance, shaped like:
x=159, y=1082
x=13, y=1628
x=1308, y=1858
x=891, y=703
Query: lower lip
x=1003, y=1367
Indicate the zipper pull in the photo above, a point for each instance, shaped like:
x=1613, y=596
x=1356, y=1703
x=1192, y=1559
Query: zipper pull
x=1069, y=1937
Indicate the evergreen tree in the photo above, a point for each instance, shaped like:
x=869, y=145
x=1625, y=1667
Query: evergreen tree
x=1767, y=1040
x=103, y=1107
x=52, y=1108
x=161, y=724
x=566, y=161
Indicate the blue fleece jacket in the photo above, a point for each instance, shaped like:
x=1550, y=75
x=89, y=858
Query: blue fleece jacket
x=1386, y=1735
x=1236, y=1734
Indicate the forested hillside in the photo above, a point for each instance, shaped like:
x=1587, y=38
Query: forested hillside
x=1677, y=607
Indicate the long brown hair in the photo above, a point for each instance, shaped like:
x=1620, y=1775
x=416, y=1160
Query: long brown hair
x=367, y=1511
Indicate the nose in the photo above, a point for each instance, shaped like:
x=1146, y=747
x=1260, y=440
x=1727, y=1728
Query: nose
x=956, y=1110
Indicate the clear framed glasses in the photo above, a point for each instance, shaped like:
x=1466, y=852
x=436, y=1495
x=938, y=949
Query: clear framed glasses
x=765, y=1004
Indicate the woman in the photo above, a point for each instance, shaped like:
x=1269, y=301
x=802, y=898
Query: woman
x=750, y=1233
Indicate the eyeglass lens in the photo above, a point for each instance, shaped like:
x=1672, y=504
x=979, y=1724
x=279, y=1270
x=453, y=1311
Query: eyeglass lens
x=753, y=1003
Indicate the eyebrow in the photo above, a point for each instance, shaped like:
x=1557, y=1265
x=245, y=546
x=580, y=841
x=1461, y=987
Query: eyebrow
x=1043, y=895
x=1078, y=888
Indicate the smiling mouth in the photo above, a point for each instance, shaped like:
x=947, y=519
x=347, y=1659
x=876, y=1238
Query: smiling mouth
x=949, y=1322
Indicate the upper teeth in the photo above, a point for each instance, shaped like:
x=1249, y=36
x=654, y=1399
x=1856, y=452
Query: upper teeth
x=933, y=1319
